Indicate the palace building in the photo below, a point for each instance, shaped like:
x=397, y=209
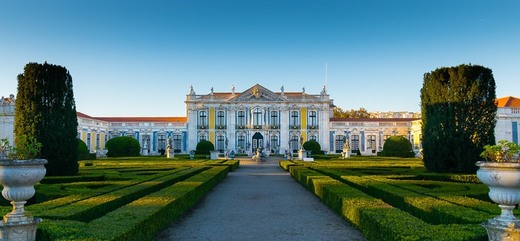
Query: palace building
x=260, y=118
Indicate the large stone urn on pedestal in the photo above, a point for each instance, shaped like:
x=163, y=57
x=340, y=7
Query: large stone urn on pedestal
x=503, y=180
x=18, y=178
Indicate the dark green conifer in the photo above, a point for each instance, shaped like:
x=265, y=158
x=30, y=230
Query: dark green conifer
x=45, y=109
x=458, y=117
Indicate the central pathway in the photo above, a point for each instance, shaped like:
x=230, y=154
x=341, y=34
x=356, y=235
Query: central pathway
x=260, y=202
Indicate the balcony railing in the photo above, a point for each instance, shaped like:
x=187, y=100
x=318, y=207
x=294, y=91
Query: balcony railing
x=293, y=127
x=312, y=127
x=220, y=127
x=241, y=127
x=202, y=127
x=274, y=127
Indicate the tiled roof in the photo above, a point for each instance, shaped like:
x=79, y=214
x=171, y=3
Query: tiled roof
x=508, y=101
x=373, y=119
x=135, y=119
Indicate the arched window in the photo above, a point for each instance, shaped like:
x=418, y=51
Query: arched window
x=275, y=120
x=294, y=119
x=221, y=121
x=241, y=118
x=203, y=119
x=313, y=119
x=257, y=117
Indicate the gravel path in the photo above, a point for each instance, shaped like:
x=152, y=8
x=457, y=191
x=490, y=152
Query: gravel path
x=260, y=202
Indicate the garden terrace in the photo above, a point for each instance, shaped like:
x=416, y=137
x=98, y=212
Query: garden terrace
x=396, y=199
x=122, y=198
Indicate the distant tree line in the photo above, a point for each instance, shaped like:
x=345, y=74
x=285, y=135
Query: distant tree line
x=361, y=113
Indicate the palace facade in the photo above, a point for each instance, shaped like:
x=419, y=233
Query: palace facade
x=260, y=118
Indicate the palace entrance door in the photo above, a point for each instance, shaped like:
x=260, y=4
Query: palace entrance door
x=258, y=141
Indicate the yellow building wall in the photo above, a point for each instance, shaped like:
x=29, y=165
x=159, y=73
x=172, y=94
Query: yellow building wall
x=102, y=141
x=212, y=125
x=303, y=121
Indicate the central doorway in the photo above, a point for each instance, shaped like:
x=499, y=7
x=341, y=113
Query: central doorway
x=258, y=140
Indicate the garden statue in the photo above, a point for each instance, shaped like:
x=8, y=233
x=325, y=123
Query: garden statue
x=346, y=151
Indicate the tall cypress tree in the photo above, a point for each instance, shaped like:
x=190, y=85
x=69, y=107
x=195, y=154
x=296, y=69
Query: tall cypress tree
x=458, y=115
x=45, y=109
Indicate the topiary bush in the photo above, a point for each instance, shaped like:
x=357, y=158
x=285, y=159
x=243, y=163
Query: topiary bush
x=204, y=147
x=82, y=150
x=312, y=146
x=397, y=146
x=123, y=146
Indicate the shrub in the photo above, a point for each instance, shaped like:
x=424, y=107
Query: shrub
x=397, y=146
x=123, y=146
x=82, y=150
x=204, y=147
x=312, y=146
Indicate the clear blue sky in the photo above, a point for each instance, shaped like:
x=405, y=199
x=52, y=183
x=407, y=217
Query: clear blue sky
x=138, y=58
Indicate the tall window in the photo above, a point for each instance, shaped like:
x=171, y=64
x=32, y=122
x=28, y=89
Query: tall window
x=274, y=142
x=339, y=143
x=202, y=137
x=371, y=139
x=313, y=119
x=294, y=118
x=354, y=140
x=220, y=118
x=177, y=143
x=293, y=144
x=313, y=137
x=257, y=117
x=275, y=120
x=220, y=143
x=203, y=122
x=241, y=118
x=241, y=142
x=88, y=140
x=97, y=140
x=161, y=139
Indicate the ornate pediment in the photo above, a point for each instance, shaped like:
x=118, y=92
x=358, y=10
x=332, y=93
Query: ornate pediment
x=257, y=93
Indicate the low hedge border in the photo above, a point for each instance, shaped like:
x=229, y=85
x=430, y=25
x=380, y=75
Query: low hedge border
x=141, y=219
x=376, y=219
x=95, y=207
x=116, y=185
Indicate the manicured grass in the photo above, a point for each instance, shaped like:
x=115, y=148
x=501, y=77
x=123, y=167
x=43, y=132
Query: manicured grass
x=122, y=198
x=396, y=199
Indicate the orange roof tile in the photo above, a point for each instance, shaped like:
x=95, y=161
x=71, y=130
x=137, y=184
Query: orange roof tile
x=374, y=119
x=135, y=119
x=508, y=101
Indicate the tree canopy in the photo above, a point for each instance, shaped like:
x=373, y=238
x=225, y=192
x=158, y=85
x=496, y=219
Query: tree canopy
x=45, y=110
x=361, y=113
x=458, y=117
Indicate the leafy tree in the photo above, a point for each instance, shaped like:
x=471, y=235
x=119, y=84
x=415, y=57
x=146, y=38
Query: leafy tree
x=204, y=147
x=340, y=113
x=123, y=146
x=45, y=110
x=458, y=117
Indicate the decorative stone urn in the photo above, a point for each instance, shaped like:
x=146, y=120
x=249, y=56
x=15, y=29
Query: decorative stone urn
x=18, y=178
x=503, y=180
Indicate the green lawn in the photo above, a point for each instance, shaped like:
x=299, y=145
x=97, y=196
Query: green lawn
x=122, y=198
x=397, y=199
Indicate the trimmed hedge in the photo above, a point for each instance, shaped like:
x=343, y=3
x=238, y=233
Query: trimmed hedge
x=97, y=206
x=376, y=219
x=312, y=146
x=204, y=147
x=82, y=150
x=141, y=219
x=397, y=146
x=123, y=146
